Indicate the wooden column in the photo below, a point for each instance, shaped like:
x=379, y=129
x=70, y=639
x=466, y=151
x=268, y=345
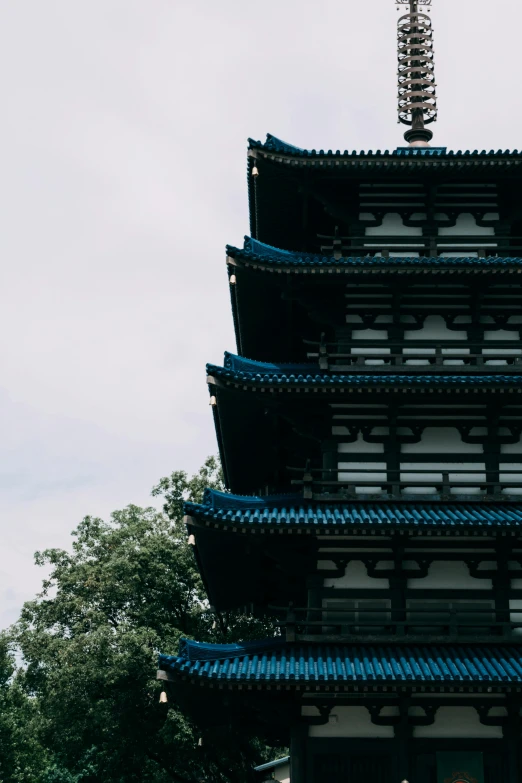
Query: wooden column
x=330, y=459
x=298, y=738
x=403, y=735
x=512, y=735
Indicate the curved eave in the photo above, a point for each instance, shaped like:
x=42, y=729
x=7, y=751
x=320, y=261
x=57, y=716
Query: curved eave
x=327, y=265
x=297, y=517
x=242, y=392
x=403, y=157
x=308, y=379
x=303, y=685
x=238, y=573
x=471, y=667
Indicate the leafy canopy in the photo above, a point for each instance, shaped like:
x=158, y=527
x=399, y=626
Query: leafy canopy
x=128, y=589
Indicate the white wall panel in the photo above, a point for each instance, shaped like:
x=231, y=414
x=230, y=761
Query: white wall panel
x=458, y=722
x=449, y=575
x=466, y=225
x=441, y=440
x=356, y=577
x=434, y=328
x=393, y=225
x=348, y=722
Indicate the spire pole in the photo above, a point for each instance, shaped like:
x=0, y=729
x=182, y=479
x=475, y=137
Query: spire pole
x=417, y=100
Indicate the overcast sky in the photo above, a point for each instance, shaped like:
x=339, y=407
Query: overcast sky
x=123, y=161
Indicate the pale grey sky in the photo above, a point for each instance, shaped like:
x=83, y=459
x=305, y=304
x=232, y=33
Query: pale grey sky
x=123, y=176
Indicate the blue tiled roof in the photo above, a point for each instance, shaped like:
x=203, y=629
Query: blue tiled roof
x=289, y=512
x=238, y=369
x=257, y=252
x=277, y=661
x=273, y=764
x=273, y=144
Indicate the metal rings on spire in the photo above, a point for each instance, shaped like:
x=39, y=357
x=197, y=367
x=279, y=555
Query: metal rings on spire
x=417, y=100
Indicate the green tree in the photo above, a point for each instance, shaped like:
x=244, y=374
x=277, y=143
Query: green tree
x=22, y=757
x=128, y=588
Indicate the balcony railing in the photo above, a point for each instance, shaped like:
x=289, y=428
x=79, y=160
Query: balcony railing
x=419, y=356
x=340, y=624
x=407, y=246
x=434, y=483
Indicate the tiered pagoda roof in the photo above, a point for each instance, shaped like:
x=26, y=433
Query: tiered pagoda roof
x=289, y=514
x=250, y=373
x=255, y=551
x=288, y=197
x=242, y=388
x=274, y=146
x=238, y=539
x=265, y=257
x=276, y=294
x=347, y=666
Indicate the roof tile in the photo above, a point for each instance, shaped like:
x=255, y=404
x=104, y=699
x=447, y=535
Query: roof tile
x=239, y=369
x=257, y=252
x=273, y=144
x=289, y=511
x=275, y=660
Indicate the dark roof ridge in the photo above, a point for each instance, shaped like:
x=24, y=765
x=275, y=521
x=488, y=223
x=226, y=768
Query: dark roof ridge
x=276, y=145
x=216, y=498
x=285, y=512
x=192, y=650
x=272, y=764
x=470, y=664
x=259, y=252
x=238, y=368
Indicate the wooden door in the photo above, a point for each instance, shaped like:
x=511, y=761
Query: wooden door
x=353, y=768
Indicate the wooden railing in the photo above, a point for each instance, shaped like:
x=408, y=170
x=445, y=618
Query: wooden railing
x=325, y=484
x=316, y=623
x=437, y=356
x=432, y=247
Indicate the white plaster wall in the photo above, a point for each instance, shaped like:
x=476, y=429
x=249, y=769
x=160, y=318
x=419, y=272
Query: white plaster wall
x=355, y=577
x=435, y=440
x=515, y=478
x=359, y=446
x=501, y=334
x=449, y=575
x=447, y=441
x=392, y=225
x=441, y=440
x=348, y=722
x=511, y=448
x=352, y=318
x=434, y=328
x=458, y=722
x=282, y=773
x=368, y=334
x=465, y=225
x=348, y=470
x=516, y=603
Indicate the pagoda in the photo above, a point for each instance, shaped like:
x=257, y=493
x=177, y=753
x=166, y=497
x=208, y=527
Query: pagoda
x=370, y=432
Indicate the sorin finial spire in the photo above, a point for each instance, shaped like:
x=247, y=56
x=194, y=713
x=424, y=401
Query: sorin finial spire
x=416, y=73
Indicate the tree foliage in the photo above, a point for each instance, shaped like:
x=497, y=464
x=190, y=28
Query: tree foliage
x=22, y=758
x=128, y=588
